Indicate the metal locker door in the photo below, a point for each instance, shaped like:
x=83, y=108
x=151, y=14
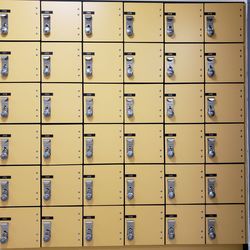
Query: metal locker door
x=15, y=100
x=103, y=226
x=102, y=21
x=103, y=185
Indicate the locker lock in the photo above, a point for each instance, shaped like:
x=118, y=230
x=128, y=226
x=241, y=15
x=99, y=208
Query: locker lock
x=4, y=24
x=211, y=187
x=89, y=230
x=46, y=66
x=89, y=147
x=4, y=190
x=4, y=66
x=88, y=66
x=130, y=147
x=89, y=106
x=4, y=106
x=170, y=147
x=129, y=66
x=130, y=107
x=170, y=107
x=170, y=26
x=170, y=66
x=211, y=229
x=210, y=66
x=171, y=188
x=171, y=229
x=210, y=106
x=89, y=189
x=88, y=24
x=46, y=25
x=129, y=25
x=210, y=25
x=130, y=189
x=46, y=231
x=211, y=147
x=4, y=236
x=130, y=230
x=47, y=148
x=47, y=106
x=46, y=190
x=4, y=149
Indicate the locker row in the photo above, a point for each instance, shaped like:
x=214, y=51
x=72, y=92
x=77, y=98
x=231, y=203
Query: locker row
x=113, y=103
x=129, y=22
x=109, y=63
x=118, y=225
x=114, y=184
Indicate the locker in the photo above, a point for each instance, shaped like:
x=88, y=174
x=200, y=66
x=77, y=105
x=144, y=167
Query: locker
x=225, y=183
x=144, y=225
x=102, y=21
x=61, y=103
x=143, y=62
x=184, y=63
x=180, y=98
x=61, y=21
x=143, y=103
x=61, y=185
x=143, y=143
x=225, y=224
x=185, y=184
x=185, y=224
x=103, y=185
x=15, y=100
x=20, y=186
x=53, y=70
x=103, y=143
x=224, y=63
x=61, y=226
x=20, y=227
x=184, y=143
x=224, y=103
x=143, y=22
x=103, y=103
x=19, y=20
x=61, y=144
x=20, y=62
x=225, y=143
x=224, y=22
x=102, y=62
x=183, y=22
x=19, y=144
x=144, y=184
x=103, y=226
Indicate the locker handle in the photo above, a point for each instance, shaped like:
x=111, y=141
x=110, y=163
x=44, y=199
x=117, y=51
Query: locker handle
x=211, y=229
x=88, y=24
x=210, y=106
x=89, y=230
x=4, y=232
x=130, y=147
x=170, y=107
x=170, y=26
x=171, y=188
x=89, y=147
x=130, y=66
x=46, y=231
x=47, y=106
x=211, y=187
x=210, y=26
x=170, y=147
x=4, y=24
x=4, y=149
x=4, y=66
x=47, y=148
x=88, y=66
x=46, y=24
x=89, y=189
x=4, y=190
x=89, y=107
x=171, y=229
x=129, y=25
x=46, y=66
x=130, y=107
x=210, y=66
x=130, y=230
x=46, y=190
x=211, y=147
x=170, y=66
x=4, y=107
x=130, y=189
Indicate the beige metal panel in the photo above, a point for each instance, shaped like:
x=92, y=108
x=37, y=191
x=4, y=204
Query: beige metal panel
x=184, y=143
x=183, y=22
x=65, y=144
x=147, y=182
x=184, y=63
x=107, y=226
x=22, y=20
x=65, y=183
x=229, y=224
x=23, y=225
x=17, y=97
x=64, y=59
x=21, y=143
x=184, y=103
x=23, y=185
x=143, y=62
x=64, y=21
x=23, y=61
x=189, y=224
x=145, y=102
x=103, y=185
x=185, y=184
x=224, y=103
x=228, y=22
x=65, y=226
x=105, y=21
x=225, y=183
x=228, y=143
x=61, y=103
x=147, y=22
x=148, y=225
x=103, y=143
x=103, y=103
x=102, y=62
x=143, y=143
x=227, y=63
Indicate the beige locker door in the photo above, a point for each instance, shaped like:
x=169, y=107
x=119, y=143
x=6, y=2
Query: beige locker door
x=61, y=21
x=22, y=226
x=185, y=184
x=144, y=184
x=103, y=226
x=61, y=103
x=61, y=185
x=103, y=185
x=19, y=144
x=62, y=144
x=102, y=21
x=225, y=224
x=15, y=100
x=20, y=62
x=61, y=227
x=20, y=186
x=185, y=224
x=21, y=20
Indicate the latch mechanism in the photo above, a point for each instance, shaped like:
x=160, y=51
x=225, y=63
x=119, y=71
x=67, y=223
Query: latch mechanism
x=88, y=24
x=89, y=189
x=210, y=66
x=130, y=147
x=4, y=190
x=211, y=229
x=4, y=106
x=46, y=190
x=89, y=106
x=47, y=106
x=129, y=25
x=46, y=148
x=211, y=187
x=170, y=107
x=46, y=25
x=46, y=66
x=88, y=66
x=171, y=229
x=211, y=147
x=5, y=66
x=89, y=147
x=89, y=230
x=130, y=107
x=130, y=230
x=170, y=66
x=4, y=236
x=4, y=149
x=170, y=147
x=210, y=106
x=210, y=25
x=46, y=231
x=129, y=66
x=4, y=29
x=130, y=189
x=170, y=26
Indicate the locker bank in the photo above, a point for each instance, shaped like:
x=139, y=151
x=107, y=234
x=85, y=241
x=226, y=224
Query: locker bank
x=124, y=125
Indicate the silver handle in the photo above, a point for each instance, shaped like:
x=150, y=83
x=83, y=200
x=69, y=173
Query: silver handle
x=171, y=229
x=46, y=148
x=170, y=147
x=170, y=66
x=88, y=24
x=210, y=26
x=4, y=106
x=170, y=26
x=210, y=66
x=47, y=231
x=4, y=66
x=211, y=187
x=170, y=107
x=4, y=190
x=210, y=106
x=211, y=229
x=130, y=66
x=89, y=106
x=130, y=230
x=129, y=25
x=211, y=147
x=47, y=106
x=171, y=188
x=46, y=66
x=130, y=147
x=4, y=149
x=4, y=237
x=130, y=189
x=46, y=25
x=89, y=189
x=88, y=66
x=4, y=29
x=89, y=230
x=46, y=190
x=130, y=107
x=89, y=147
